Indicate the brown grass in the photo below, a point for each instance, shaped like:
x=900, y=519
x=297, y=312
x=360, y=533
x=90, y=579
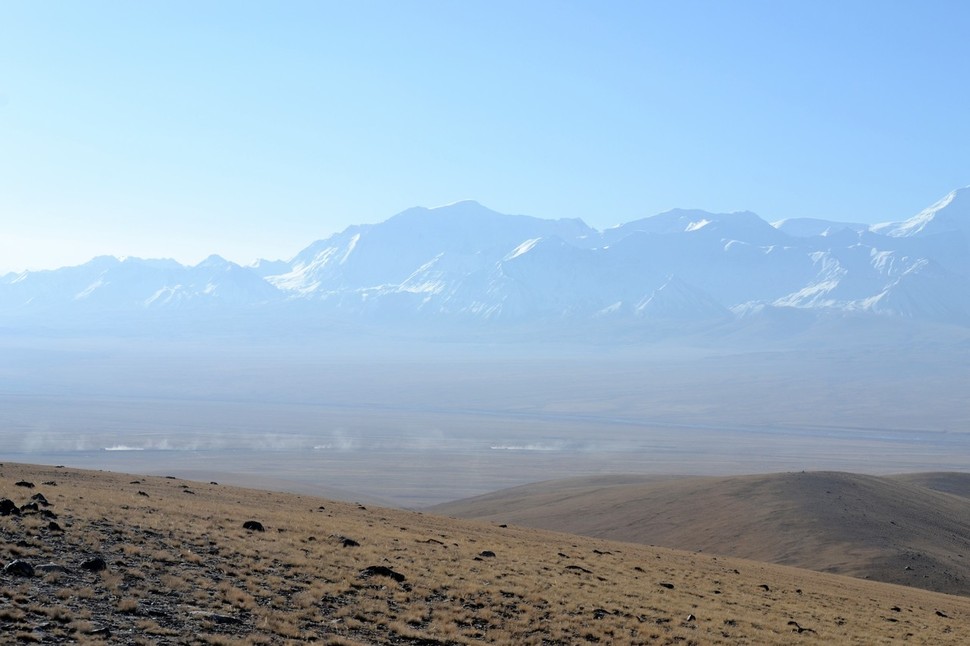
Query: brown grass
x=217, y=583
x=909, y=530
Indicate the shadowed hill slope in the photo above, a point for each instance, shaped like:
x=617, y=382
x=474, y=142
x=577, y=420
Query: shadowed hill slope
x=957, y=484
x=890, y=529
x=151, y=560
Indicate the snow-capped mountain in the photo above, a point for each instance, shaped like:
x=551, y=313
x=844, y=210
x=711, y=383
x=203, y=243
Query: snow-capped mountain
x=108, y=285
x=950, y=215
x=464, y=264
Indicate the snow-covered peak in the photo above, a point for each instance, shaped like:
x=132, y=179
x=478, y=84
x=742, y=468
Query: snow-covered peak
x=952, y=213
x=811, y=227
x=214, y=261
x=264, y=268
x=740, y=225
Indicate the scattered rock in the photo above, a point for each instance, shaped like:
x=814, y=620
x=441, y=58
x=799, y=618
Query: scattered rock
x=669, y=586
x=48, y=514
x=54, y=527
x=942, y=614
x=19, y=568
x=40, y=499
x=254, y=526
x=487, y=554
x=599, y=613
x=691, y=618
x=765, y=587
x=896, y=609
x=381, y=570
x=578, y=568
x=102, y=631
x=24, y=483
x=30, y=506
x=49, y=483
x=95, y=564
x=8, y=507
x=349, y=542
x=142, y=493
x=800, y=629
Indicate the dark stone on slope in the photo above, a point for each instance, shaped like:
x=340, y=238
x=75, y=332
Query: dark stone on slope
x=254, y=526
x=40, y=499
x=578, y=568
x=24, y=483
x=95, y=564
x=8, y=507
x=381, y=570
x=19, y=568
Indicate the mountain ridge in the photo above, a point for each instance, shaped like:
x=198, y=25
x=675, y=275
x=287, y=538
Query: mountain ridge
x=464, y=262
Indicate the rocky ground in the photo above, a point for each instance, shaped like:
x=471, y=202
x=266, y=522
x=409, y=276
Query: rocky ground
x=93, y=557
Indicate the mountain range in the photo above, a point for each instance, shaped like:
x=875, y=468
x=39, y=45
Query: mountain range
x=461, y=266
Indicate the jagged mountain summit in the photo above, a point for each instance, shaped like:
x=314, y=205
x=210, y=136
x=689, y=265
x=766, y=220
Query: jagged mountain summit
x=463, y=264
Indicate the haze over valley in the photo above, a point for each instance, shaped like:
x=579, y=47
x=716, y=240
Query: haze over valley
x=454, y=351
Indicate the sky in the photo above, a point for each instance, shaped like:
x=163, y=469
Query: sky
x=250, y=129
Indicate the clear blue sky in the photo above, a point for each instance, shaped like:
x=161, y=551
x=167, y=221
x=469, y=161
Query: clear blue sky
x=179, y=129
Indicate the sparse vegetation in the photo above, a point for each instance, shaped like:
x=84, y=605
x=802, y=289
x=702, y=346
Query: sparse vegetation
x=175, y=575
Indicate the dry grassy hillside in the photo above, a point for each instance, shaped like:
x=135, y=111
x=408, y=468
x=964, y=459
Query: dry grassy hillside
x=957, y=484
x=179, y=568
x=904, y=530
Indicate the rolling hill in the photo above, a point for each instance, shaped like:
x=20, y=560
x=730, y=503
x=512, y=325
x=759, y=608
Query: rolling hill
x=911, y=530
